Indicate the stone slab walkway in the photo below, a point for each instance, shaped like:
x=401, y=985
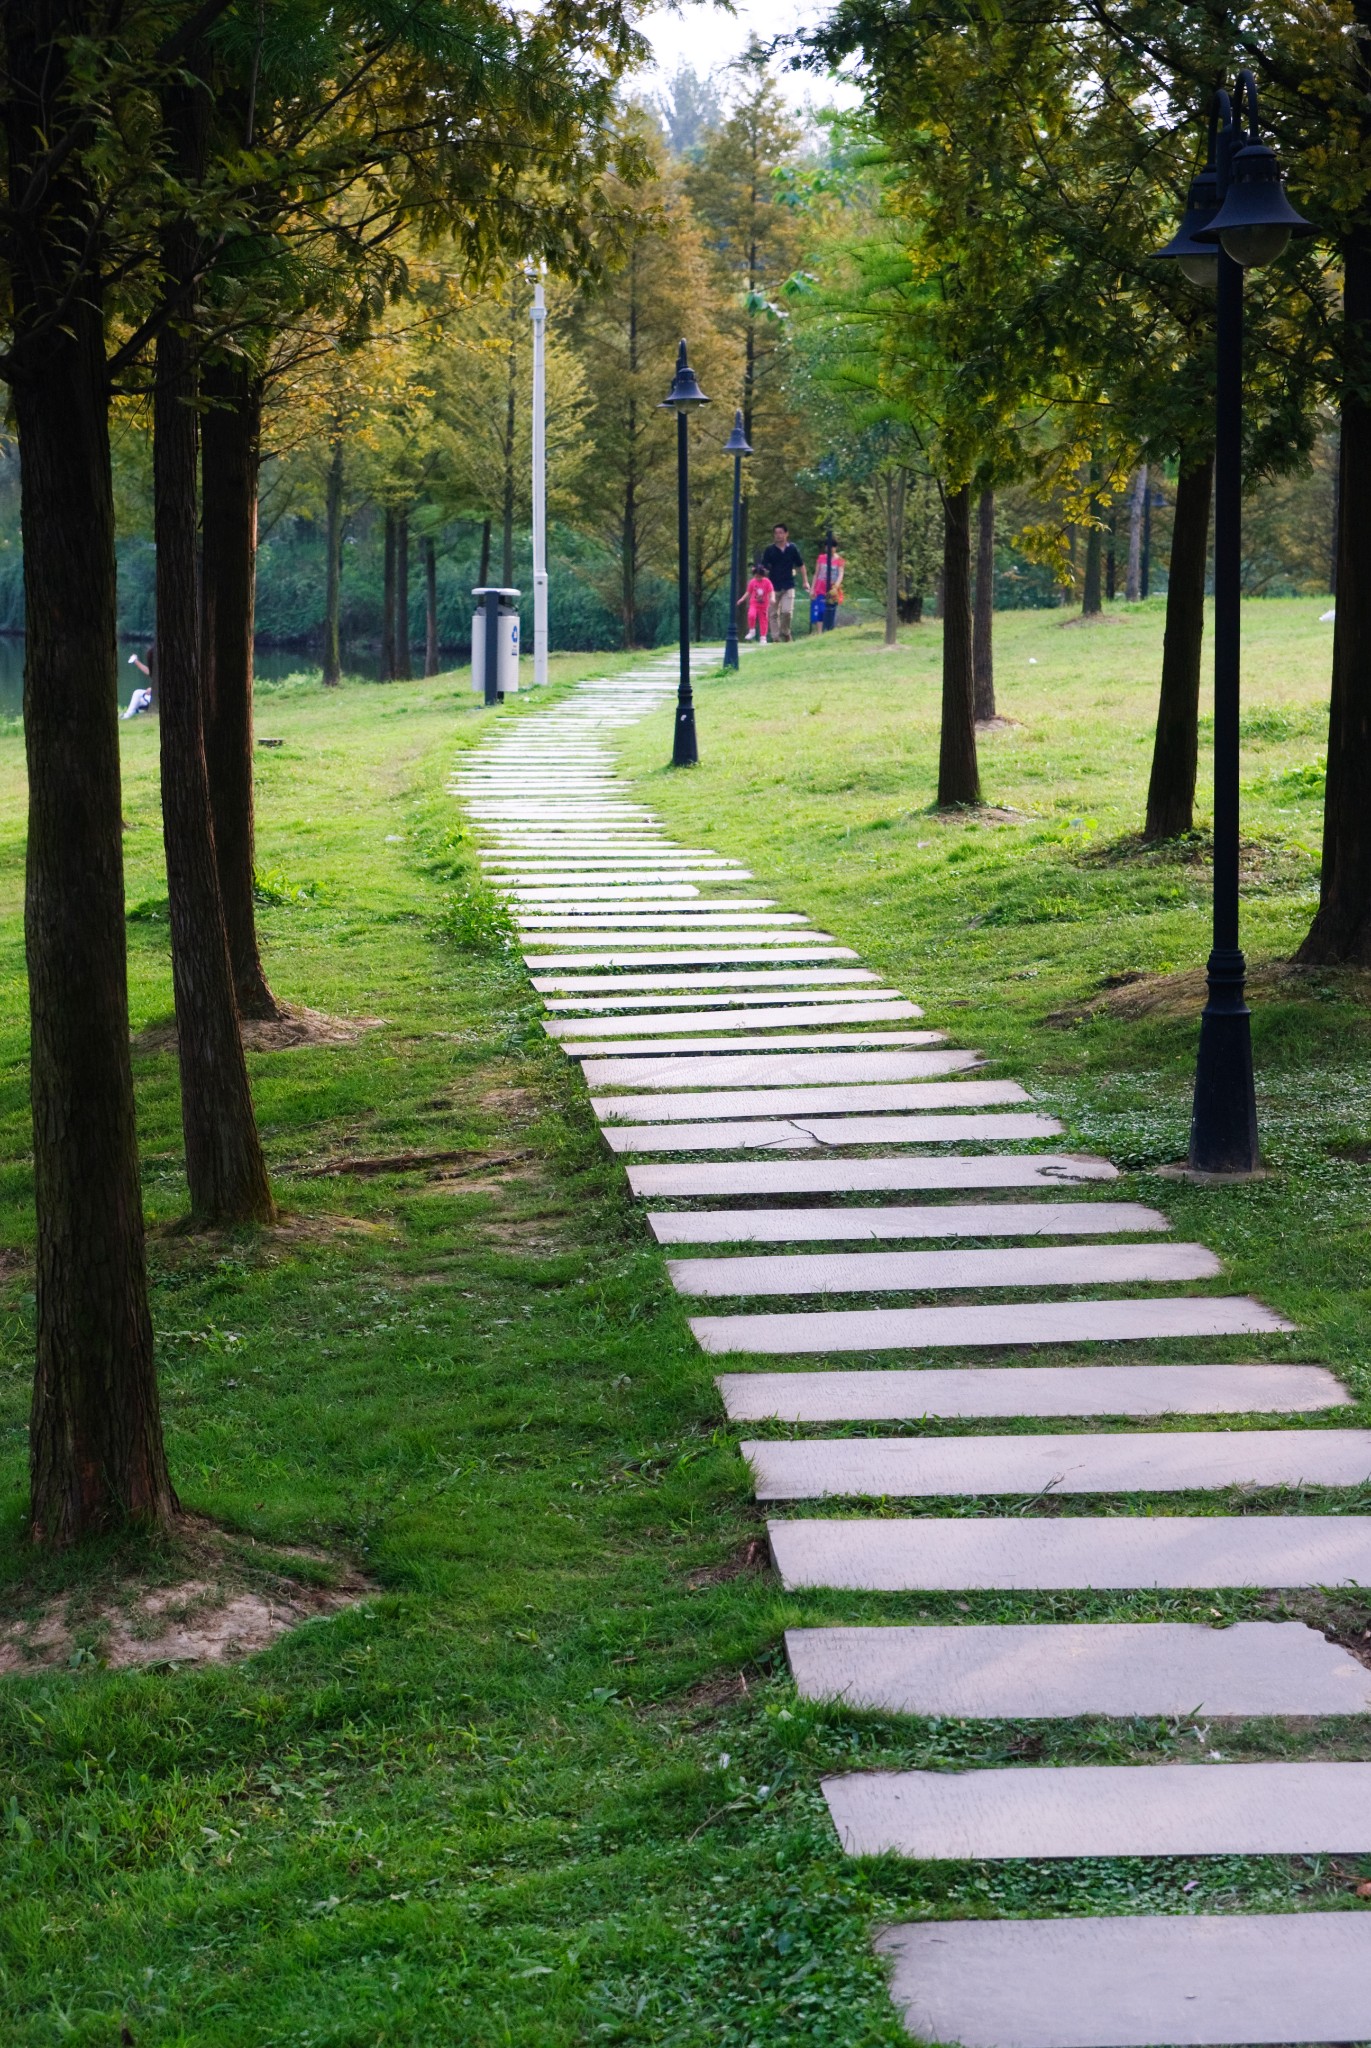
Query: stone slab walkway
x=1191, y=1809
x=1029, y=1390
x=1059, y=1671
x=708, y=1023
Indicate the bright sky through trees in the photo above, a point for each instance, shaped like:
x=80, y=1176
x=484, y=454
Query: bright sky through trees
x=707, y=37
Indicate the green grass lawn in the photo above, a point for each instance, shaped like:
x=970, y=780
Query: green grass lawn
x=547, y=1783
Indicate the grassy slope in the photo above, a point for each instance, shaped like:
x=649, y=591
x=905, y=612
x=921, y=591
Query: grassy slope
x=549, y=1785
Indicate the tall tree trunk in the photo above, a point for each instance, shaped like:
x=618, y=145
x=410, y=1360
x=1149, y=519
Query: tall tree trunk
x=983, y=619
x=224, y=1164
x=430, y=606
x=1110, y=554
x=507, y=502
x=959, y=780
x=388, y=600
x=1337, y=522
x=1171, y=790
x=230, y=455
x=483, y=573
x=1092, y=602
x=333, y=569
x=1341, y=931
x=1133, y=587
x=896, y=487
x=96, y=1459
x=402, y=663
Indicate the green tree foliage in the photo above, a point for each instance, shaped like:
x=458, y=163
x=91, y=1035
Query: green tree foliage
x=626, y=334
x=755, y=229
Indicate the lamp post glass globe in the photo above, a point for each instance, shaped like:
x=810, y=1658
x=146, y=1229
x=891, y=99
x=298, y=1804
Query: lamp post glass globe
x=1253, y=247
x=1200, y=270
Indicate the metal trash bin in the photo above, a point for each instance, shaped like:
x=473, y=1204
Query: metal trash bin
x=495, y=643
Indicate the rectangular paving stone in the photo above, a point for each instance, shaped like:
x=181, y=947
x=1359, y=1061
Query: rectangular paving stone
x=702, y=916
x=900, y=1396
x=1020, y=1322
x=947, y=1127
x=698, y=917
x=1189, y=1981
x=691, y=952
x=924, y=1219
x=1080, y=1553
x=721, y=942
x=1189, y=1809
x=806, y=1102
x=775, y=1069
x=759, y=977
x=859, y=1176
x=572, y=891
x=1156, y=1461
x=876, y=1007
x=568, y=875
x=646, y=1048
x=1071, y=1265
x=1055, y=1670
x=884, y=1002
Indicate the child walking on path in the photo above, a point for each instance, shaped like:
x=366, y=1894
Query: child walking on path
x=757, y=597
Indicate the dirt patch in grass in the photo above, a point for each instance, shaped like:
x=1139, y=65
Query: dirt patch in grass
x=1135, y=994
x=713, y=1694
x=751, y=1555
x=296, y=1025
x=182, y=1235
x=201, y=1596
x=1262, y=863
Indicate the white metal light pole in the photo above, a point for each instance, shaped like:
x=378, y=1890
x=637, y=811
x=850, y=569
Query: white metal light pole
x=539, y=490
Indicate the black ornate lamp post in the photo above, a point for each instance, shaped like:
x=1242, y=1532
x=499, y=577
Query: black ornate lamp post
x=737, y=446
x=1237, y=217
x=683, y=396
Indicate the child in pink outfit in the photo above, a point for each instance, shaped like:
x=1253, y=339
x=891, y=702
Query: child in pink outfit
x=757, y=597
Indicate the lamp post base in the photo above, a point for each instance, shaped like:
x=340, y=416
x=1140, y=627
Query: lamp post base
x=731, y=648
x=684, y=751
x=1223, y=1123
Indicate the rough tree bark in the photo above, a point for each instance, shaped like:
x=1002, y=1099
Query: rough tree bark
x=333, y=568
x=388, y=600
x=1171, y=789
x=230, y=455
x=983, y=616
x=959, y=780
x=1341, y=931
x=96, y=1459
x=483, y=573
x=224, y=1164
x=430, y=606
x=403, y=669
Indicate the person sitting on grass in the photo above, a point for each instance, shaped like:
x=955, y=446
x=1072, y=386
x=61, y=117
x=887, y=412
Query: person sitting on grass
x=757, y=597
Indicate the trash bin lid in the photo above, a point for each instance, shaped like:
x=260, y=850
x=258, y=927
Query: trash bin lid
x=493, y=590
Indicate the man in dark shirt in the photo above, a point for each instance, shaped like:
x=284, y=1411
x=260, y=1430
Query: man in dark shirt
x=780, y=561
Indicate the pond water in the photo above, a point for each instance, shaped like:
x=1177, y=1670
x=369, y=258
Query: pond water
x=272, y=664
